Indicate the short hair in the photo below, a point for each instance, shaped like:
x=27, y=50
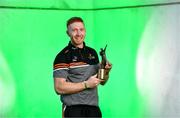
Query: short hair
x=74, y=19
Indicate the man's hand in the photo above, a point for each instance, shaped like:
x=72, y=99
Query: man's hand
x=107, y=70
x=108, y=67
x=93, y=81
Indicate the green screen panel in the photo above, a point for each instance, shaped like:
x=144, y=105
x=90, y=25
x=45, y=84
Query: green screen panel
x=30, y=40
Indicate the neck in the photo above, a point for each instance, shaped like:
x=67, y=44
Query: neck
x=78, y=46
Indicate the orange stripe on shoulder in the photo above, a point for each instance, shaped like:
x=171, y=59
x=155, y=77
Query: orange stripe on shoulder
x=61, y=65
x=77, y=63
x=65, y=65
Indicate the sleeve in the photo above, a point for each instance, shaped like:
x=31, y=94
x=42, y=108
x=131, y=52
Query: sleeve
x=60, y=67
x=96, y=60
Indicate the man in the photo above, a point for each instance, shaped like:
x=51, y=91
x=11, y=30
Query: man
x=75, y=74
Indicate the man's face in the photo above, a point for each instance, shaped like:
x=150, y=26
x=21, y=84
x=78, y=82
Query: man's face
x=76, y=32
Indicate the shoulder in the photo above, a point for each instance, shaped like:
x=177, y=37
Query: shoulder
x=61, y=56
x=92, y=55
x=91, y=50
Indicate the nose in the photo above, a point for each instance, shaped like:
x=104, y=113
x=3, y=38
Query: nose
x=78, y=32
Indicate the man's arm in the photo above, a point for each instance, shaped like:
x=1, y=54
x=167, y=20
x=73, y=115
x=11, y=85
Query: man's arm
x=63, y=87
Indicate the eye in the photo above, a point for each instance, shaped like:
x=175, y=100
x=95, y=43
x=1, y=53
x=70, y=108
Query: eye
x=75, y=29
x=82, y=29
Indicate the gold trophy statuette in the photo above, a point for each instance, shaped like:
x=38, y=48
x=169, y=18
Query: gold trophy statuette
x=102, y=74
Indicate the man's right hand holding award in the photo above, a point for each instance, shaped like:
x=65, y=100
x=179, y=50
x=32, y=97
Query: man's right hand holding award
x=105, y=67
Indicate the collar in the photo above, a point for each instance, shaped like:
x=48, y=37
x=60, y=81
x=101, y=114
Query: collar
x=71, y=46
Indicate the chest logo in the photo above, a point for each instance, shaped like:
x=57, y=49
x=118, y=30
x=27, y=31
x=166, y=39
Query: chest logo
x=91, y=57
x=74, y=58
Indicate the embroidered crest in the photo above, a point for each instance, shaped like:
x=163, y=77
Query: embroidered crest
x=91, y=57
x=74, y=58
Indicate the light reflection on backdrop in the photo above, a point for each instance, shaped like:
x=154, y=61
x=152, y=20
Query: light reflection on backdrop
x=7, y=87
